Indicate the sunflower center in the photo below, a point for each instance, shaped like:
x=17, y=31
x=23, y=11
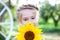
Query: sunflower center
x=29, y=35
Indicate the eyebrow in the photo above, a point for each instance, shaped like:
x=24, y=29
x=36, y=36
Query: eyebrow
x=24, y=17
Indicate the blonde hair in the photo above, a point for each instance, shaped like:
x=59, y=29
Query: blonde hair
x=23, y=7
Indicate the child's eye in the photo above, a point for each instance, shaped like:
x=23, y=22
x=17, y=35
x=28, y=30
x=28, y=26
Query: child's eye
x=25, y=19
x=32, y=18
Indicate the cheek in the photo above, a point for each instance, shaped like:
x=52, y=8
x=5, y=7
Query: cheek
x=35, y=22
x=23, y=22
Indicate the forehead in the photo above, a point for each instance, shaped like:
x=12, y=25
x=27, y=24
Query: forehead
x=28, y=12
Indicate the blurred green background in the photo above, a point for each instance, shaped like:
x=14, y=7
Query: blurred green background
x=49, y=20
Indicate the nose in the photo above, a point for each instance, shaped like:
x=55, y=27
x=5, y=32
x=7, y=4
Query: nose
x=30, y=21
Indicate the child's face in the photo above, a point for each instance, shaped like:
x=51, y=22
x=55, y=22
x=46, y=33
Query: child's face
x=28, y=16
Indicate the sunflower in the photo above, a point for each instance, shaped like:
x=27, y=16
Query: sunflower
x=29, y=32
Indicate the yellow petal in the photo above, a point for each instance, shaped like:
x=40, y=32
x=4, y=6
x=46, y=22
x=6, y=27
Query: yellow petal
x=29, y=27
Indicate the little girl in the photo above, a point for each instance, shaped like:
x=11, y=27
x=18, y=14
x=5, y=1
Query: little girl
x=27, y=13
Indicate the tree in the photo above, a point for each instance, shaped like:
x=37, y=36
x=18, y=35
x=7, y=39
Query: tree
x=55, y=14
x=49, y=11
x=45, y=11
